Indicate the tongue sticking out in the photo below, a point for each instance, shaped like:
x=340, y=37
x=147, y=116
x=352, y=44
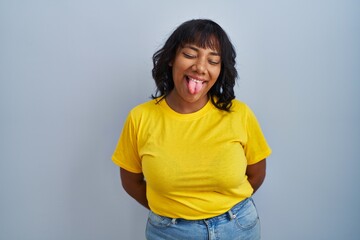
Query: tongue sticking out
x=194, y=87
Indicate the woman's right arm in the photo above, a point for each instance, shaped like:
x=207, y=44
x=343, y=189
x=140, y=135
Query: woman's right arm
x=135, y=185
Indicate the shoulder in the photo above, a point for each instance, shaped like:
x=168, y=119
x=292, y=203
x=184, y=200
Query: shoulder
x=145, y=106
x=144, y=110
x=239, y=106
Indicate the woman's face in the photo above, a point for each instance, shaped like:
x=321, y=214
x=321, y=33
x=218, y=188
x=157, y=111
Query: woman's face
x=194, y=70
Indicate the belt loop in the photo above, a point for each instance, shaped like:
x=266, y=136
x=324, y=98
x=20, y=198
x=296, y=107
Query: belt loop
x=173, y=221
x=231, y=215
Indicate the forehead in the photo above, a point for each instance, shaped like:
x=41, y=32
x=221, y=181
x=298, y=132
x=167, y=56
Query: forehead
x=203, y=41
x=212, y=52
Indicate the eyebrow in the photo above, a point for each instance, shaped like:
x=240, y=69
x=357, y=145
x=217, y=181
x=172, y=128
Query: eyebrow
x=197, y=49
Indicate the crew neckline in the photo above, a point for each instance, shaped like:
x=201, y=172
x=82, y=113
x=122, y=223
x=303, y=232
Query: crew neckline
x=186, y=116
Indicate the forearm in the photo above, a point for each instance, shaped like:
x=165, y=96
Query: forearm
x=256, y=181
x=138, y=192
x=256, y=174
x=135, y=185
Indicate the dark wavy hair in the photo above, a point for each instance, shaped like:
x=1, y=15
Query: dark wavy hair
x=203, y=33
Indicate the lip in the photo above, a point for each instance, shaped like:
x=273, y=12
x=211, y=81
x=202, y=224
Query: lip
x=194, y=78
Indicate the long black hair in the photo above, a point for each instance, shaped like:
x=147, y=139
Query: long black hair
x=205, y=34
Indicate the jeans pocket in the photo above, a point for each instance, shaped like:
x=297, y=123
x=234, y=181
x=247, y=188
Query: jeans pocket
x=159, y=221
x=247, y=216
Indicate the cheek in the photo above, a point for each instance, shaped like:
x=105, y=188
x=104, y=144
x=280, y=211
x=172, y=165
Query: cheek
x=177, y=68
x=215, y=74
x=176, y=73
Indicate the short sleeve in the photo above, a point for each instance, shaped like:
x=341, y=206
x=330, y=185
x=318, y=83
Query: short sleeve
x=256, y=147
x=126, y=152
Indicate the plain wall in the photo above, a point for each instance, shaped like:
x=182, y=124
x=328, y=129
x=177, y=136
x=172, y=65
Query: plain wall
x=71, y=70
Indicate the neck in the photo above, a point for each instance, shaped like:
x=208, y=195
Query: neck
x=180, y=105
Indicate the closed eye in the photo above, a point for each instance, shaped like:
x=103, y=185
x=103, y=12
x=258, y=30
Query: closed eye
x=212, y=62
x=190, y=56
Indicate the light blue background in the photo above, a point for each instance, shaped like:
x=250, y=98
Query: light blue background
x=71, y=70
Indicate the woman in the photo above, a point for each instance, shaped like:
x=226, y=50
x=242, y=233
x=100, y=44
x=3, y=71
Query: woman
x=201, y=151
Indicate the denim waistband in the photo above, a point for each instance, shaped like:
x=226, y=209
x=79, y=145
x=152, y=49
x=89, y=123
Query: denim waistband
x=229, y=215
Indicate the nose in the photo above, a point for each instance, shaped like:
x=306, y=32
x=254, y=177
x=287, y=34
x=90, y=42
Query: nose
x=200, y=66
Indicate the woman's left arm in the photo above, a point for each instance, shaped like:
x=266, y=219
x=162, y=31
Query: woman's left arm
x=256, y=174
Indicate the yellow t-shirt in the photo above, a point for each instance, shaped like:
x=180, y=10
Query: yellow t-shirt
x=194, y=164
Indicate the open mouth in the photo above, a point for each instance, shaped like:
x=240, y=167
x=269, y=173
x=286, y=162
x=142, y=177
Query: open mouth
x=194, y=85
x=193, y=79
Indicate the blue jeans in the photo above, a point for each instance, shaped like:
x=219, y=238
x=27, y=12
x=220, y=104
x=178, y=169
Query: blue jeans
x=240, y=222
